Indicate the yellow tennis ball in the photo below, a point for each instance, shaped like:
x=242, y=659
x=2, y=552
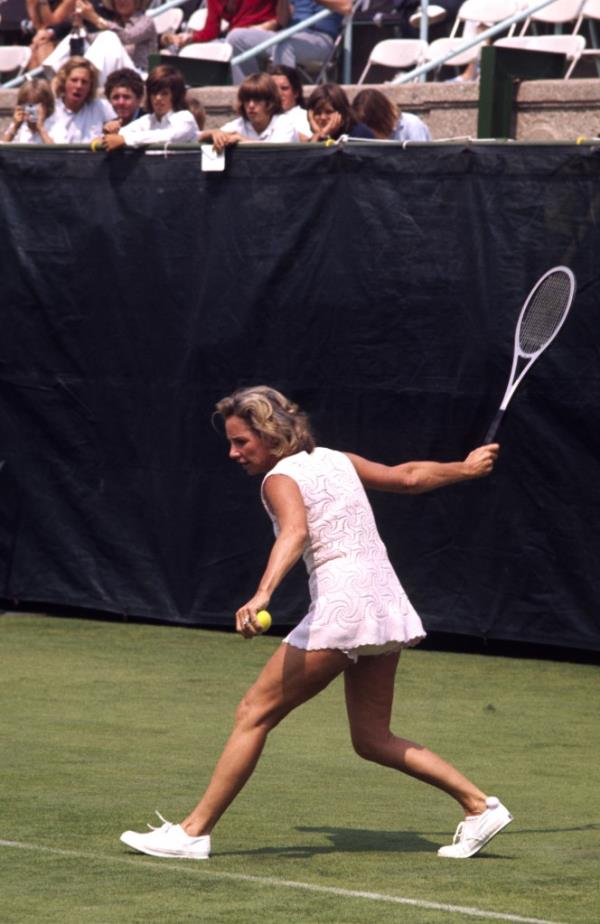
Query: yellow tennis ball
x=263, y=618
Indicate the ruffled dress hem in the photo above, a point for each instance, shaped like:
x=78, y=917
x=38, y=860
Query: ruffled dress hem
x=354, y=653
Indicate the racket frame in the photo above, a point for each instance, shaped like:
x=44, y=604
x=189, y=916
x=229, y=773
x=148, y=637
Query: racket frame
x=515, y=379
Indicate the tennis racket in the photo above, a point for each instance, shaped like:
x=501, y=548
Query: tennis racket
x=541, y=318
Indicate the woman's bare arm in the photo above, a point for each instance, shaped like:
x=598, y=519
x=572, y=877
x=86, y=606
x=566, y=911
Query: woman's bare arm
x=419, y=477
x=283, y=497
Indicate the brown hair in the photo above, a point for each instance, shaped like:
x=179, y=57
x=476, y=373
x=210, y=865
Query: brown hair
x=67, y=69
x=165, y=77
x=36, y=90
x=197, y=109
x=293, y=78
x=259, y=87
x=124, y=77
x=332, y=94
x=280, y=423
x=374, y=109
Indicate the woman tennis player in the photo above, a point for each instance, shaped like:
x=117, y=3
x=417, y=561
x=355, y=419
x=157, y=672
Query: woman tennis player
x=358, y=621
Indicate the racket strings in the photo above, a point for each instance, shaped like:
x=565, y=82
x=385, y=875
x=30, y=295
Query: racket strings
x=545, y=312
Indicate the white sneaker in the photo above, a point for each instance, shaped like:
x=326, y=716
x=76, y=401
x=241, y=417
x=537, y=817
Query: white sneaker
x=168, y=841
x=476, y=831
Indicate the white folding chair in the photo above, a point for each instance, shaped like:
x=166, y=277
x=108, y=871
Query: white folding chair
x=169, y=21
x=571, y=46
x=207, y=51
x=14, y=58
x=435, y=14
x=473, y=16
x=197, y=21
x=485, y=12
x=556, y=14
x=441, y=47
x=400, y=54
x=590, y=15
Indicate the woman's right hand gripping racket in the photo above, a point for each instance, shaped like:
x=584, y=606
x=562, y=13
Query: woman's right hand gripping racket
x=541, y=318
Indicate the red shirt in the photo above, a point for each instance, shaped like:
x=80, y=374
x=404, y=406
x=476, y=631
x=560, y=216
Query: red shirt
x=238, y=13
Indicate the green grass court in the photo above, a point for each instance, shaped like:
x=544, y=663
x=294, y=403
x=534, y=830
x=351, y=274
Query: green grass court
x=104, y=722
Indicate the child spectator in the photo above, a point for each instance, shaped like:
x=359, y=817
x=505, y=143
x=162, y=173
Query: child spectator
x=291, y=92
x=260, y=116
x=124, y=89
x=168, y=119
x=385, y=120
x=331, y=116
x=35, y=103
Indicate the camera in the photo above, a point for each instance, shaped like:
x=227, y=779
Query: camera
x=31, y=113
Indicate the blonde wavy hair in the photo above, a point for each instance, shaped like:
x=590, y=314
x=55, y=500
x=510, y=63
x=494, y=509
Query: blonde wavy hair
x=60, y=81
x=280, y=423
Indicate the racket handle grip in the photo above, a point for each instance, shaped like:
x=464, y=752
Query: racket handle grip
x=489, y=436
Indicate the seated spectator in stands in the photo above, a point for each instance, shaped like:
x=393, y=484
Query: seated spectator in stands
x=35, y=103
x=125, y=42
x=260, y=118
x=124, y=89
x=374, y=109
x=243, y=17
x=51, y=20
x=330, y=115
x=316, y=42
x=78, y=115
x=291, y=93
x=167, y=121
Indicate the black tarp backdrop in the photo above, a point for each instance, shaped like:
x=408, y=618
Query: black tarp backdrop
x=380, y=287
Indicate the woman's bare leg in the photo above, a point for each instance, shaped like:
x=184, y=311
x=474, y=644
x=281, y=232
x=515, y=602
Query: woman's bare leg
x=369, y=697
x=291, y=677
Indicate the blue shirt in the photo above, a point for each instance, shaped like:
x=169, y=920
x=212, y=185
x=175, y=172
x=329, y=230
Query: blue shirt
x=329, y=24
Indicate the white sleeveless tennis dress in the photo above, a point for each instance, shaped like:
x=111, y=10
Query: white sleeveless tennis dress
x=357, y=603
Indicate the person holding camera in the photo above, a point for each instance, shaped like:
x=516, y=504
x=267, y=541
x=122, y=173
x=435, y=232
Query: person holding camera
x=35, y=103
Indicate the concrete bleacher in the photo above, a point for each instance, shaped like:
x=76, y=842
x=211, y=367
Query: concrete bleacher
x=547, y=110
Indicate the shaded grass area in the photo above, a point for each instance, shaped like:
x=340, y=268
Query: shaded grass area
x=103, y=722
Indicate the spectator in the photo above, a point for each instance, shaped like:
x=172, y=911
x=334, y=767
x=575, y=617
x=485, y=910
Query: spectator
x=260, y=116
x=51, y=21
x=124, y=89
x=331, y=116
x=126, y=42
x=385, y=120
x=35, y=103
x=244, y=17
x=197, y=109
x=78, y=115
x=291, y=93
x=316, y=42
x=167, y=120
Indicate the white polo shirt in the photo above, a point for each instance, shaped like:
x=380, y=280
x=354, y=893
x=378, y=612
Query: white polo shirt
x=280, y=130
x=66, y=127
x=176, y=127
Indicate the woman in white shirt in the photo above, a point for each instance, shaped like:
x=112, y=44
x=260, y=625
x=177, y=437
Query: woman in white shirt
x=78, y=116
x=168, y=119
x=291, y=92
x=260, y=117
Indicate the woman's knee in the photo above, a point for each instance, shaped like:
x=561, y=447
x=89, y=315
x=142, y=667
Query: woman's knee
x=370, y=744
x=253, y=712
x=107, y=42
